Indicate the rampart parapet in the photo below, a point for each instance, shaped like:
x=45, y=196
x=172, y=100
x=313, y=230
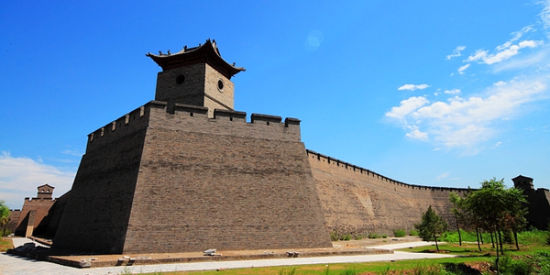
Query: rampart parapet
x=196, y=119
x=357, y=169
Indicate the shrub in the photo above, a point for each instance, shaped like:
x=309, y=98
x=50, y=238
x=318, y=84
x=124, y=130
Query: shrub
x=413, y=232
x=516, y=267
x=542, y=260
x=384, y=236
x=399, y=233
x=334, y=236
x=373, y=236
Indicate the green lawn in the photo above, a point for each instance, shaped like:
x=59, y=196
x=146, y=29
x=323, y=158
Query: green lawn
x=534, y=253
x=356, y=268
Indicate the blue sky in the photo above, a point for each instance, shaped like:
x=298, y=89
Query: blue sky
x=430, y=92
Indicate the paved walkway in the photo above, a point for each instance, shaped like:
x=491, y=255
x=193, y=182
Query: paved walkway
x=16, y=265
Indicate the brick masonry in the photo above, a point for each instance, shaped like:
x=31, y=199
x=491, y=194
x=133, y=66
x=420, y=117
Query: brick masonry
x=23, y=222
x=156, y=181
x=358, y=200
x=198, y=86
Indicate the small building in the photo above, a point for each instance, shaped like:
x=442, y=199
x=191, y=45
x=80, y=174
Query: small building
x=23, y=222
x=538, y=202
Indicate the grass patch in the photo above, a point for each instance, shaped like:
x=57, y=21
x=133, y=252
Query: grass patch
x=534, y=256
x=533, y=237
x=425, y=266
x=5, y=244
x=399, y=233
x=524, y=238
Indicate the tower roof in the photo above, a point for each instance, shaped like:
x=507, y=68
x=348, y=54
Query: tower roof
x=206, y=53
x=522, y=177
x=46, y=185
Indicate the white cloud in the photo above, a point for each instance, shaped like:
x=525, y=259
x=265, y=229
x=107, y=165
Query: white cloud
x=19, y=177
x=412, y=87
x=463, y=68
x=507, y=49
x=456, y=52
x=406, y=107
x=510, y=51
x=504, y=51
x=466, y=122
x=545, y=14
x=516, y=36
x=452, y=92
x=535, y=59
x=479, y=54
x=414, y=133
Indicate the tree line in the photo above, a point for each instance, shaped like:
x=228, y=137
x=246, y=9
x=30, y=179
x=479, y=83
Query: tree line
x=493, y=208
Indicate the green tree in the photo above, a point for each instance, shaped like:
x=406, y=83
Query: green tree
x=431, y=226
x=495, y=209
x=487, y=205
x=515, y=212
x=4, y=217
x=459, y=212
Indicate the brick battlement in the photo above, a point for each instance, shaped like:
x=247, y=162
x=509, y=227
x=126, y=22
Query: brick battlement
x=356, y=169
x=195, y=119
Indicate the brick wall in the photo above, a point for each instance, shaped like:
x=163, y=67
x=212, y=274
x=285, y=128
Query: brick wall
x=197, y=85
x=15, y=215
x=358, y=200
x=172, y=179
x=190, y=91
x=96, y=215
x=40, y=207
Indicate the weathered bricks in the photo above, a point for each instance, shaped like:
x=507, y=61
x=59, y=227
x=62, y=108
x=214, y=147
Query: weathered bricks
x=167, y=182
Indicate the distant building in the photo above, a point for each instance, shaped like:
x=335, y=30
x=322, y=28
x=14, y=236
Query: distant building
x=23, y=222
x=539, y=202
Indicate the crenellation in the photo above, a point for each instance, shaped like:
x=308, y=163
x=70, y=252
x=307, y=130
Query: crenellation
x=267, y=118
x=292, y=121
x=360, y=170
x=230, y=115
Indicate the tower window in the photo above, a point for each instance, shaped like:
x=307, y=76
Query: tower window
x=220, y=85
x=180, y=79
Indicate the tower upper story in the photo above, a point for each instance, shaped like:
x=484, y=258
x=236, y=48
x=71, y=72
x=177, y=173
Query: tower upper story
x=45, y=191
x=524, y=183
x=196, y=76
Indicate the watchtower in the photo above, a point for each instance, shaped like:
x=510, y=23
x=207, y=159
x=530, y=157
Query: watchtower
x=45, y=191
x=196, y=76
x=524, y=183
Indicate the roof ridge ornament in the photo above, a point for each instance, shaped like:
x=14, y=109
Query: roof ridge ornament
x=204, y=53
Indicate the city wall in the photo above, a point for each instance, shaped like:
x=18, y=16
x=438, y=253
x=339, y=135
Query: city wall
x=167, y=178
x=358, y=200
